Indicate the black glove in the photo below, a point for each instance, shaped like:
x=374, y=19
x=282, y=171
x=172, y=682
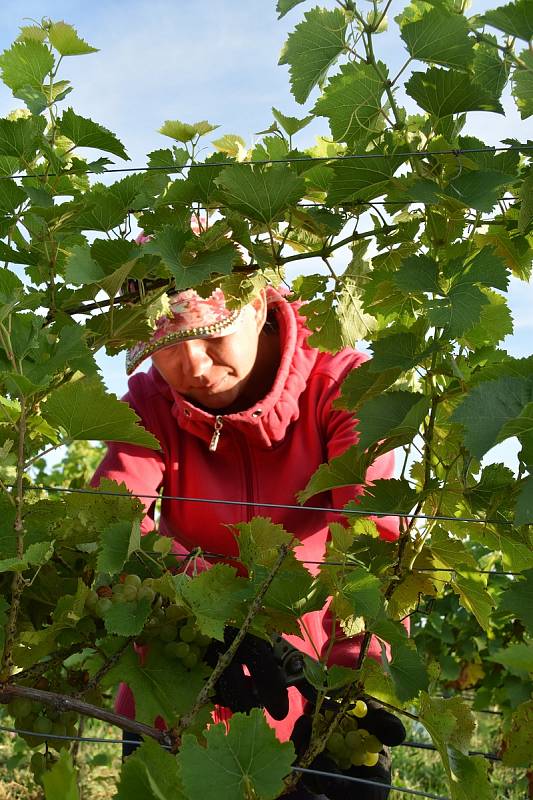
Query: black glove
x=379, y=722
x=264, y=687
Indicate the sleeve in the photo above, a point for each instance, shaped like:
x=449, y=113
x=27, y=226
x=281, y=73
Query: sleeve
x=139, y=468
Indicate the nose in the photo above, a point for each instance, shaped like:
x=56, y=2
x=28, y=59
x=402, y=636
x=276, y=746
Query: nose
x=194, y=359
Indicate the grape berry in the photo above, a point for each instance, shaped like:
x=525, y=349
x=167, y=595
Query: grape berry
x=352, y=745
x=171, y=625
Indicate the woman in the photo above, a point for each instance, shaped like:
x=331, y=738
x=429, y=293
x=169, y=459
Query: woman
x=243, y=409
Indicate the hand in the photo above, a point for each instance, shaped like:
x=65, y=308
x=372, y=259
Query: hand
x=264, y=687
x=380, y=723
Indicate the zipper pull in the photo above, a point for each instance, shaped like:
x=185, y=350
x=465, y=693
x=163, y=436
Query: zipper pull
x=213, y=444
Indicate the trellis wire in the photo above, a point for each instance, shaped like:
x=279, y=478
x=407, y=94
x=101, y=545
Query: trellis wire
x=426, y=746
x=304, y=770
x=108, y=740
x=199, y=553
x=291, y=160
x=285, y=506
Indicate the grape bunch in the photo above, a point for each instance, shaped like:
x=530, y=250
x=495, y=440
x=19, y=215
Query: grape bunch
x=172, y=624
x=351, y=744
x=132, y=588
x=183, y=640
x=39, y=763
x=30, y=715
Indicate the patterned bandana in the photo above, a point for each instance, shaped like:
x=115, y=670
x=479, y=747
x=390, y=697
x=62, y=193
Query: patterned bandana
x=193, y=317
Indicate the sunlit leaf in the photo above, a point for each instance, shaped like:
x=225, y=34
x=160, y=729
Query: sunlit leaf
x=84, y=410
x=313, y=46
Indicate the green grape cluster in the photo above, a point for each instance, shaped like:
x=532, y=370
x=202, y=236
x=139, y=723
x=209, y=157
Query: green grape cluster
x=183, y=640
x=39, y=763
x=351, y=744
x=131, y=589
x=30, y=715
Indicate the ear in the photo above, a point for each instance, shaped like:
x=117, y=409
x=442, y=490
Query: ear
x=259, y=305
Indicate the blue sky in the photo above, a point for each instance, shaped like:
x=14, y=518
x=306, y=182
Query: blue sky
x=215, y=60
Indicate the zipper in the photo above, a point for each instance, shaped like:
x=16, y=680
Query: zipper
x=213, y=444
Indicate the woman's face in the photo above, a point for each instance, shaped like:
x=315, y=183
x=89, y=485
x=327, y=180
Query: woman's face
x=215, y=373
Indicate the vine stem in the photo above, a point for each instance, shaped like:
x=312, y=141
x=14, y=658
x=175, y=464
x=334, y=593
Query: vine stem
x=225, y=658
x=17, y=584
x=106, y=666
x=62, y=702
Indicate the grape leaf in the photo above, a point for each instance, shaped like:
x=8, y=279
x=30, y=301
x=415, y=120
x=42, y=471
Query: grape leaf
x=247, y=760
x=393, y=415
x=185, y=132
x=488, y=68
x=85, y=133
x=486, y=268
x=189, y=270
x=515, y=18
x=362, y=384
x=35, y=555
x=362, y=180
x=127, y=619
x=474, y=597
x=312, y=47
x=150, y=773
x=290, y=125
x=62, y=779
x=407, y=670
x=480, y=190
x=387, y=496
x=486, y=409
x=162, y=686
x=362, y=591
x=85, y=411
x=20, y=137
x=522, y=85
x=450, y=552
x=284, y=6
x=4, y=605
x=215, y=597
x=259, y=541
x=440, y=38
x=517, y=657
x=518, y=741
x=526, y=204
x=514, y=600
x=459, y=310
x=470, y=776
x=260, y=194
x=443, y=92
x=338, y=320
x=418, y=274
x=451, y=725
x=344, y=470
x=352, y=102
x=398, y=351
x=26, y=64
x=66, y=41
x=495, y=323
x=514, y=250
x=524, y=503
x=11, y=196
x=117, y=542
